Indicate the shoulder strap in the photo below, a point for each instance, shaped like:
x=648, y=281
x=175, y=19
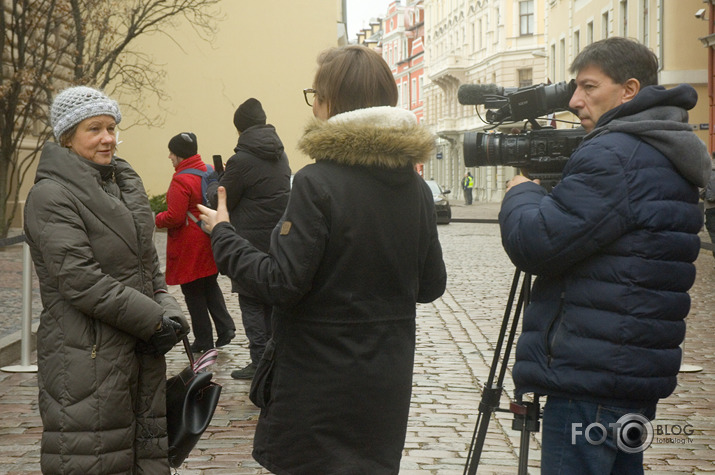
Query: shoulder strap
x=191, y=171
x=192, y=217
x=194, y=171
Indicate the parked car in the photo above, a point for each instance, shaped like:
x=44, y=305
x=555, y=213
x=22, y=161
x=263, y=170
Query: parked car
x=441, y=203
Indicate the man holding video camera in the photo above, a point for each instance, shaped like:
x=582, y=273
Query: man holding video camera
x=612, y=248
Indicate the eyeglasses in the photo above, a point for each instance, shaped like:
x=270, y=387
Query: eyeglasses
x=309, y=94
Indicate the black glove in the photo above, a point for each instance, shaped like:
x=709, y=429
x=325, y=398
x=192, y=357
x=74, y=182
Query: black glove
x=184, y=328
x=163, y=339
x=173, y=311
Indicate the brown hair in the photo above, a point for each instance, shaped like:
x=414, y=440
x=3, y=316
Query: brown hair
x=68, y=135
x=620, y=59
x=354, y=77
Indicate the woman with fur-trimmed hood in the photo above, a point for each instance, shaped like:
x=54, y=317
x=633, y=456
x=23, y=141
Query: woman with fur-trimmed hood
x=355, y=250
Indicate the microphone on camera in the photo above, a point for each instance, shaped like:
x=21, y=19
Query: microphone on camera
x=473, y=94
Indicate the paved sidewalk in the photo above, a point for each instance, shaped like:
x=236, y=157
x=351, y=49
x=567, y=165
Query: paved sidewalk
x=456, y=336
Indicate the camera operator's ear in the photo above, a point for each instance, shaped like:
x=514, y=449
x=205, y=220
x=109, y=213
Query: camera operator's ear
x=631, y=87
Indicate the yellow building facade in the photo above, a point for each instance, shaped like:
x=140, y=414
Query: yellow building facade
x=669, y=27
x=266, y=50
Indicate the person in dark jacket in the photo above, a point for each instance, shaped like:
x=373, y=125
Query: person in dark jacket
x=612, y=248
x=107, y=319
x=189, y=261
x=257, y=182
x=355, y=250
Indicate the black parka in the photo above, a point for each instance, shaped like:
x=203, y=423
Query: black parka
x=257, y=182
x=102, y=404
x=354, y=252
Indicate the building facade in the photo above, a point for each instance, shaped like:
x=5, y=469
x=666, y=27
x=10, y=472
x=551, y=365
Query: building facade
x=516, y=43
x=668, y=27
x=402, y=47
x=500, y=42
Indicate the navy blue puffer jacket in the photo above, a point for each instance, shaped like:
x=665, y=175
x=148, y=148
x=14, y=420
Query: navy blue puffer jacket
x=612, y=247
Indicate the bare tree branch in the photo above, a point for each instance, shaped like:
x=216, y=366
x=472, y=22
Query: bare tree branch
x=50, y=44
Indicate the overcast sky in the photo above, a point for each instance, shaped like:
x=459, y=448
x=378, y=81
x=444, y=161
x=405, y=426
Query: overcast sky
x=361, y=11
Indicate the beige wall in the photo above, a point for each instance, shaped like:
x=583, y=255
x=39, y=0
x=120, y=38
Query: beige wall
x=266, y=50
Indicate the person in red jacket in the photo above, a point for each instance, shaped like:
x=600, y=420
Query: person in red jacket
x=189, y=261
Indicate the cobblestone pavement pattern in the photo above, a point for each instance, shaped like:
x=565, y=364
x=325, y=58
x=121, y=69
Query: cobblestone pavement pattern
x=456, y=336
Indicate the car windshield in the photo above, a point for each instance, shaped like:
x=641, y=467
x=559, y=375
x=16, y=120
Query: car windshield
x=434, y=187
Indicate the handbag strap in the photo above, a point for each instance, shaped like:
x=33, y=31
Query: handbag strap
x=187, y=348
x=204, y=361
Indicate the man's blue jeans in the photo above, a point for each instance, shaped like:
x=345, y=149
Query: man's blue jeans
x=571, y=439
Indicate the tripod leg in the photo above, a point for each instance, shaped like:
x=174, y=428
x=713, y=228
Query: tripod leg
x=492, y=392
x=524, y=453
x=526, y=420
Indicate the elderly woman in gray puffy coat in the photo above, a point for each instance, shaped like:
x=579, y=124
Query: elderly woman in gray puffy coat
x=107, y=319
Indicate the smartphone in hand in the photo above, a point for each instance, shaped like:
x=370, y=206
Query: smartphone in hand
x=218, y=163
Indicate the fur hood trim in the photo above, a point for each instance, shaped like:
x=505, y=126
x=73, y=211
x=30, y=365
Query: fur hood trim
x=378, y=136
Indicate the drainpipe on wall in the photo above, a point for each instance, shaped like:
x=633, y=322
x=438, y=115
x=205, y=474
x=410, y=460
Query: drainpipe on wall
x=661, y=49
x=711, y=63
x=709, y=43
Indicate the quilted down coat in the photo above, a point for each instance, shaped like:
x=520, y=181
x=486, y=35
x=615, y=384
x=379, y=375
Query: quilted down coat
x=90, y=230
x=355, y=250
x=612, y=247
x=188, y=248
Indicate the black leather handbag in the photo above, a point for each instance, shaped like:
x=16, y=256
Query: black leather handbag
x=191, y=399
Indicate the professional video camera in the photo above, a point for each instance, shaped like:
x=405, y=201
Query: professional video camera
x=543, y=151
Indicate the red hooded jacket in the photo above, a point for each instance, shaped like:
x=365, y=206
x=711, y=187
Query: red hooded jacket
x=188, y=248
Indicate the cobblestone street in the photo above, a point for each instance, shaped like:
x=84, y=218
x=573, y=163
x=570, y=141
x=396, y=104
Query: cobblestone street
x=456, y=336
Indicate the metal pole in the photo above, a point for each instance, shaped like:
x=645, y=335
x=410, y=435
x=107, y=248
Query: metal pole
x=26, y=333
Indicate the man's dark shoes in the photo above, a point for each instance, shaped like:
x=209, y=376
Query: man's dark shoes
x=225, y=339
x=198, y=348
x=245, y=373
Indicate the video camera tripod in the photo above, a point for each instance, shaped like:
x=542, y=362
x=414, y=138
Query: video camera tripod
x=526, y=413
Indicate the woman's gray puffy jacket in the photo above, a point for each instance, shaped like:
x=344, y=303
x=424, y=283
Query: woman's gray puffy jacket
x=102, y=404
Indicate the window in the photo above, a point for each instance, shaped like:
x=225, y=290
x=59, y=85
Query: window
x=479, y=34
x=589, y=33
x=624, y=17
x=473, y=27
x=413, y=91
x=576, y=42
x=645, y=30
x=526, y=77
x=526, y=17
x=604, y=25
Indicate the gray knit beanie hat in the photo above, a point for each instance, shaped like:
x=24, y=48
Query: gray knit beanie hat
x=75, y=104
